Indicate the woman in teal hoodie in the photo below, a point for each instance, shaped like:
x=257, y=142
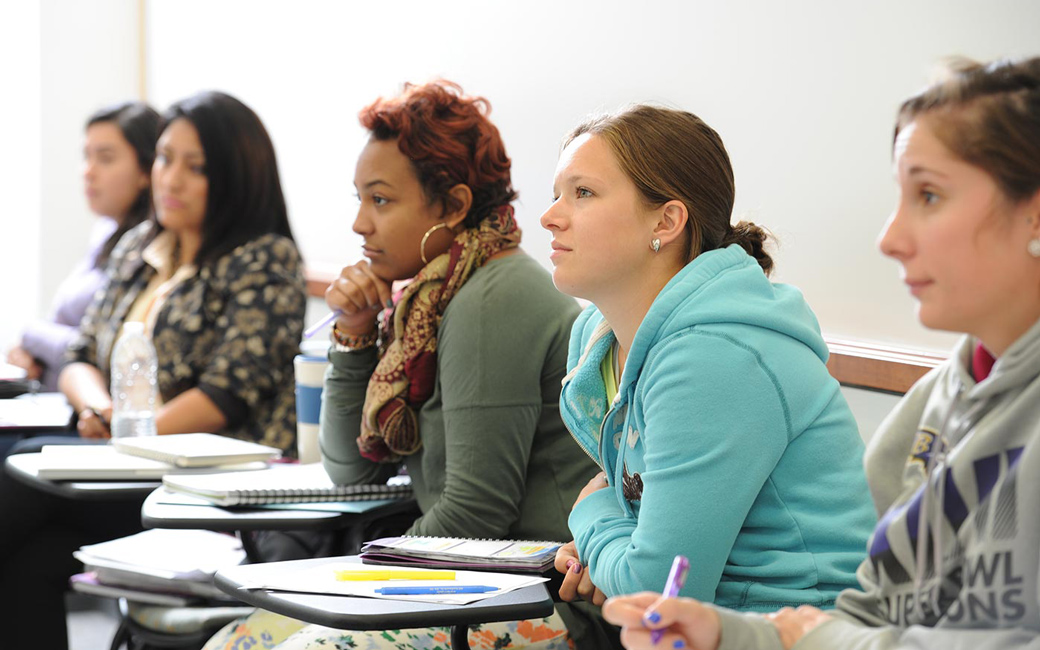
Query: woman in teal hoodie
x=697, y=385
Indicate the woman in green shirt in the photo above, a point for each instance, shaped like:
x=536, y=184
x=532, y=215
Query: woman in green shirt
x=456, y=376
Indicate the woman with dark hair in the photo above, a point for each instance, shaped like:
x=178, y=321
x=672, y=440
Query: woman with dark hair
x=217, y=281
x=699, y=386
x=118, y=155
x=457, y=376
x=953, y=562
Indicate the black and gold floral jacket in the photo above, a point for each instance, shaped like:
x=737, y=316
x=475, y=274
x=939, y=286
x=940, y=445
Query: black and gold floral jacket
x=230, y=330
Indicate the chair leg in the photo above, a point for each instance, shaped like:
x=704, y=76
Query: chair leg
x=460, y=637
x=121, y=636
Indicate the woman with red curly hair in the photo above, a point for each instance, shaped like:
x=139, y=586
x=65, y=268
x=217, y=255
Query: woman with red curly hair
x=457, y=377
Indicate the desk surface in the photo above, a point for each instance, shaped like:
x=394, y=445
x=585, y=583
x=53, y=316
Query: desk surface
x=39, y=413
x=23, y=467
x=351, y=613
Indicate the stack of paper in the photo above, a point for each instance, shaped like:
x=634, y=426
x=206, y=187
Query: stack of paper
x=328, y=579
x=196, y=449
x=168, y=567
x=106, y=463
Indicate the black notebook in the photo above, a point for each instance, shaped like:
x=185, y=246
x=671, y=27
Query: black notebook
x=460, y=553
x=282, y=484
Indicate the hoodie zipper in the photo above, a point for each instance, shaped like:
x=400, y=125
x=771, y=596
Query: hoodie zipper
x=923, y=520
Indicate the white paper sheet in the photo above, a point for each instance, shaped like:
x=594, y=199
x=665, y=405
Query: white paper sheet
x=322, y=580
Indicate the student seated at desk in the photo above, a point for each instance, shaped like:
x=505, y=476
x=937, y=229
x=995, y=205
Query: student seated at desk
x=118, y=155
x=460, y=382
x=217, y=280
x=958, y=457
x=697, y=384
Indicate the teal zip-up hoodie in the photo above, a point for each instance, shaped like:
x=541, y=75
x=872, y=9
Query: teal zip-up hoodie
x=728, y=442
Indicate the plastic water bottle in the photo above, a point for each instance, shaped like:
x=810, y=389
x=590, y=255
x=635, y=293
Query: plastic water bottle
x=134, y=383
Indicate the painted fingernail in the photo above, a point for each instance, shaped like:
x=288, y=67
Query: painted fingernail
x=575, y=568
x=679, y=643
x=653, y=617
x=571, y=563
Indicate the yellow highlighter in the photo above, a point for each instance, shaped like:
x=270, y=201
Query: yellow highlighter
x=394, y=574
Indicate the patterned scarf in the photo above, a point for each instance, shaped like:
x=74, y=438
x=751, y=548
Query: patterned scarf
x=404, y=378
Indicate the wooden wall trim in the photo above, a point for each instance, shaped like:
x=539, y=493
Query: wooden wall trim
x=318, y=280
x=878, y=367
x=873, y=366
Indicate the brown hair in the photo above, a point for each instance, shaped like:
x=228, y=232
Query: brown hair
x=988, y=116
x=674, y=155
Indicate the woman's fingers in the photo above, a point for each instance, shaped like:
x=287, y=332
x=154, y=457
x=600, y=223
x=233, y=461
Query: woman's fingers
x=91, y=426
x=685, y=621
x=359, y=295
x=629, y=610
x=382, y=295
x=566, y=555
x=571, y=580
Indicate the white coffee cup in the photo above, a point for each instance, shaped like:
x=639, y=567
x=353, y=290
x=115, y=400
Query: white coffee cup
x=310, y=378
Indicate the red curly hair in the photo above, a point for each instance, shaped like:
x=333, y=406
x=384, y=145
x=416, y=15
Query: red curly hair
x=450, y=140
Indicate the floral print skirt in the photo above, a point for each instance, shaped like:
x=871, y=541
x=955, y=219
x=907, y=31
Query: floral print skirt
x=264, y=630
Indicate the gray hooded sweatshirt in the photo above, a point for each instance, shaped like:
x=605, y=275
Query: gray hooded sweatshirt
x=953, y=563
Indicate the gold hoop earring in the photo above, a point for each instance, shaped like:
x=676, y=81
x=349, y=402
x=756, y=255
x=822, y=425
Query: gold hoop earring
x=422, y=244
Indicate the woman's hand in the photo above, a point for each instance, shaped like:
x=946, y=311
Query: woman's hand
x=359, y=295
x=598, y=482
x=17, y=356
x=576, y=579
x=686, y=622
x=94, y=423
x=793, y=624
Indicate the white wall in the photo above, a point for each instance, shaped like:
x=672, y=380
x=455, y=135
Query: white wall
x=89, y=59
x=803, y=92
x=20, y=167
x=803, y=96
x=62, y=60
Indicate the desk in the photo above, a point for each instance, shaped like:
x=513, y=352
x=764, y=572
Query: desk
x=350, y=613
x=35, y=413
x=23, y=468
x=165, y=509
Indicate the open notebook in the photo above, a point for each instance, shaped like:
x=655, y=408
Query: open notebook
x=454, y=552
x=284, y=484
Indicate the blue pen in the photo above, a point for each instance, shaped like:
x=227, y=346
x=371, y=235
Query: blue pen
x=676, y=579
x=434, y=591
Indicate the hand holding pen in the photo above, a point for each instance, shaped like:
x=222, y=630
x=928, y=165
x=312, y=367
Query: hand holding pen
x=356, y=297
x=650, y=620
x=672, y=587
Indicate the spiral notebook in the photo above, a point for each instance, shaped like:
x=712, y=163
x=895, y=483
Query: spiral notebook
x=455, y=552
x=281, y=484
x=196, y=449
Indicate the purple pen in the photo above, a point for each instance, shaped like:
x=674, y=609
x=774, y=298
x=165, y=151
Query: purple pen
x=676, y=579
x=317, y=327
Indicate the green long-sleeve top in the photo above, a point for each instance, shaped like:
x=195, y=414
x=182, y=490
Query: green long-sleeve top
x=496, y=460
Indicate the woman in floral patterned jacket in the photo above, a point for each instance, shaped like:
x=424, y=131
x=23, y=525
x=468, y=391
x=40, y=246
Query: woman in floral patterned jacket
x=217, y=280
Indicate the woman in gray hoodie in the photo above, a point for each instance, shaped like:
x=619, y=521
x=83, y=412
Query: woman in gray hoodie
x=955, y=469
